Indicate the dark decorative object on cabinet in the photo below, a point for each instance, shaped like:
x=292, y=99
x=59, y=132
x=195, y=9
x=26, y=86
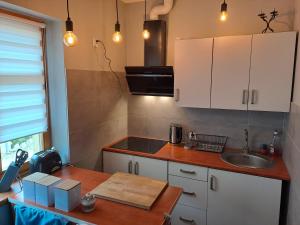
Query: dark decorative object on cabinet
x=264, y=17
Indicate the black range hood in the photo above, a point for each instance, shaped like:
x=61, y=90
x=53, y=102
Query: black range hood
x=154, y=78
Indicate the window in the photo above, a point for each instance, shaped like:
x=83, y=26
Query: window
x=23, y=108
x=32, y=144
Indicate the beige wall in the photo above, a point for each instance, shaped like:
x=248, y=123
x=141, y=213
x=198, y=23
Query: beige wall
x=297, y=77
x=291, y=153
x=92, y=18
x=199, y=18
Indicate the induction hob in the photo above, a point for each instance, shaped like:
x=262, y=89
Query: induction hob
x=138, y=144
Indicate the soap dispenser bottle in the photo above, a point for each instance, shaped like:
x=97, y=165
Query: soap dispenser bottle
x=275, y=144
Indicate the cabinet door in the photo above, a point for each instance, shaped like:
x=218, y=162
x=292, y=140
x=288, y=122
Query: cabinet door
x=230, y=73
x=271, y=74
x=153, y=168
x=116, y=162
x=193, y=61
x=237, y=199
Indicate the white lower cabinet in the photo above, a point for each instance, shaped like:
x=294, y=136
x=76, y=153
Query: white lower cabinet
x=192, y=205
x=194, y=192
x=240, y=199
x=115, y=162
x=118, y=162
x=210, y=196
x=157, y=169
x=183, y=215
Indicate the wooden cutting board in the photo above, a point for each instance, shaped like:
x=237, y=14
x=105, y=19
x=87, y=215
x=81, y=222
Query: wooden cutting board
x=130, y=189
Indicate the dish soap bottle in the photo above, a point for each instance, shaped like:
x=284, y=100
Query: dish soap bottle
x=275, y=144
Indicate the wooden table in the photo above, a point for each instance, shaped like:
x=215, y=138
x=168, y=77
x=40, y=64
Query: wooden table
x=107, y=212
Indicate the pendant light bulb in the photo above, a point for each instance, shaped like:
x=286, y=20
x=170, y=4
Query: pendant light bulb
x=224, y=14
x=70, y=39
x=146, y=34
x=117, y=36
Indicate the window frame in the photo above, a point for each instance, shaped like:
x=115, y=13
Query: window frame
x=47, y=141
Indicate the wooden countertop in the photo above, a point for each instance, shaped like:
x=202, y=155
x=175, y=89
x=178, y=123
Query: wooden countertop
x=177, y=153
x=108, y=212
x=4, y=196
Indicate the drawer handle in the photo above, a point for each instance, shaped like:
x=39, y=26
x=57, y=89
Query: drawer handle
x=254, y=97
x=187, y=171
x=130, y=166
x=189, y=193
x=186, y=220
x=136, y=168
x=245, y=97
x=213, y=181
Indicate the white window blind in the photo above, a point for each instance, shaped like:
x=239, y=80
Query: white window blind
x=23, y=108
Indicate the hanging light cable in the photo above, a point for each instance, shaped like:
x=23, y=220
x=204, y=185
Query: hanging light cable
x=70, y=39
x=146, y=33
x=117, y=37
x=224, y=14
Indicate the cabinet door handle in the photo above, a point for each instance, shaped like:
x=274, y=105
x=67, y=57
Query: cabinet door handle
x=254, y=97
x=186, y=220
x=245, y=97
x=187, y=171
x=189, y=193
x=213, y=183
x=136, y=168
x=130, y=166
x=176, y=95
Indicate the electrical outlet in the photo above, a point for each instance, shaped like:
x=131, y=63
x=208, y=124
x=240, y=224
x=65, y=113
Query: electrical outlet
x=95, y=44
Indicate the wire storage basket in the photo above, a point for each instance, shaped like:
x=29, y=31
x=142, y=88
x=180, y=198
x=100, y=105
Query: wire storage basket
x=210, y=143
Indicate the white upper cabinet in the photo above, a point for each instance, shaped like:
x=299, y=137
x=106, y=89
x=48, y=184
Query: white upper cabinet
x=193, y=61
x=252, y=72
x=271, y=73
x=230, y=73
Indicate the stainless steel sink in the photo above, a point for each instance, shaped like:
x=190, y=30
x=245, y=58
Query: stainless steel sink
x=247, y=160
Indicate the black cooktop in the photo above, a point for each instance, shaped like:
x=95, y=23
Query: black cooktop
x=138, y=144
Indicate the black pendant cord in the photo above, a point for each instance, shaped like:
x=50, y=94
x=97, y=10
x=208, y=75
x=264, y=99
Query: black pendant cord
x=117, y=9
x=68, y=9
x=145, y=10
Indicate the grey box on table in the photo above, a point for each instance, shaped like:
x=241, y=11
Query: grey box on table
x=67, y=195
x=44, y=190
x=29, y=185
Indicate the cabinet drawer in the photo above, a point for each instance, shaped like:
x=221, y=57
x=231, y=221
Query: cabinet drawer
x=184, y=215
x=194, y=192
x=188, y=171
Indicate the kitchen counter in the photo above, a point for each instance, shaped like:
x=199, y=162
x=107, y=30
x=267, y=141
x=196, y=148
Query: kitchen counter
x=108, y=212
x=14, y=190
x=177, y=153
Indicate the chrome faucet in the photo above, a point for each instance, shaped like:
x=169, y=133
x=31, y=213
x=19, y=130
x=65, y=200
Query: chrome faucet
x=246, y=147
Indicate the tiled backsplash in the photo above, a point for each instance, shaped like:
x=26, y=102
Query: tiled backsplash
x=151, y=117
x=100, y=114
x=97, y=114
x=291, y=156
